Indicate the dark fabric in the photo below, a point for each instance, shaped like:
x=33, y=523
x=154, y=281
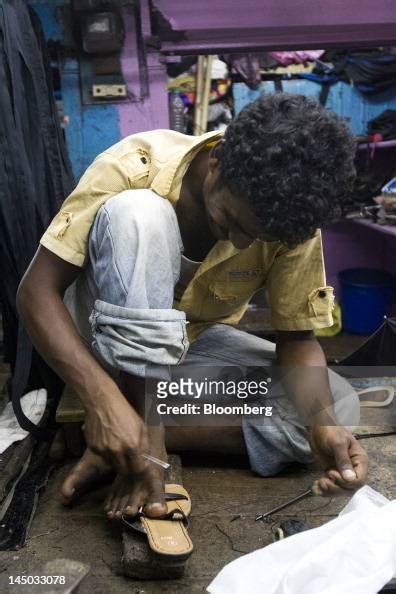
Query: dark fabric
x=379, y=349
x=324, y=93
x=247, y=66
x=278, y=85
x=35, y=173
x=370, y=71
x=371, y=74
x=384, y=124
x=17, y=519
x=374, y=169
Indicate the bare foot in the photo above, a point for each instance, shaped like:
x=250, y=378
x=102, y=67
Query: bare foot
x=128, y=494
x=89, y=470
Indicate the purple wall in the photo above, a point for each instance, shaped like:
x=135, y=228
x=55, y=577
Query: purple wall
x=147, y=113
x=252, y=14
x=351, y=244
x=223, y=25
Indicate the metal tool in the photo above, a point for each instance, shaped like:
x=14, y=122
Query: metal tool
x=306, y=493
x=370, y=435
x=157, y=461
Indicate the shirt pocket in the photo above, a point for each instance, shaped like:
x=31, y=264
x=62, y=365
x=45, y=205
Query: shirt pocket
x=229, y=295
x=321, y=301
x=222, y=294
x=61, y=223
x=137, y=164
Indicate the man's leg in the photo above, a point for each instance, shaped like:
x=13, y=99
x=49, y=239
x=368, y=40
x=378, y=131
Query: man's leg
x=216, y=350
x=135, y=249
x=272, y=443
x=229, y=440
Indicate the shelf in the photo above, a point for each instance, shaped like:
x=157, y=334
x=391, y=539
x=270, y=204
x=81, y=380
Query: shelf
x=377, y=145
x=386, y=229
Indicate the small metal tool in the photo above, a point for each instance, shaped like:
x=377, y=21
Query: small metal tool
x=370, y=435
x=306, y=493
x=157, y=461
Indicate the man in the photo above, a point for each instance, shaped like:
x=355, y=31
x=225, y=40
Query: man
x=165, y=227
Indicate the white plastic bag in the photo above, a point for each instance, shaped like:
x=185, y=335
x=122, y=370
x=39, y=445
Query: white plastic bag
x=33, y=405
x=353, y=554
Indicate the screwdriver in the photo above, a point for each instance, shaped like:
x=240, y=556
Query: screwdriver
x=306, y=493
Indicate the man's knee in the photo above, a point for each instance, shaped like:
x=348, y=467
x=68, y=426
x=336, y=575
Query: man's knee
x=273, y=444
x=132, y=210
x=136, y=221
x=135, y=250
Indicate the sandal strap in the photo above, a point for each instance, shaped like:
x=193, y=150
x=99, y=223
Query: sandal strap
x=170, y=516
x=131, y=521
x=175, y=496
x=128, y=520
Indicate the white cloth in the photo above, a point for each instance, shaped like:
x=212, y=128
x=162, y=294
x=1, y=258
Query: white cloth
x=33, y=405
x=353, y=554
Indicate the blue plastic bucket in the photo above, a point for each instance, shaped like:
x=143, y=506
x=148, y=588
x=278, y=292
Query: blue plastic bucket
x=366, y=297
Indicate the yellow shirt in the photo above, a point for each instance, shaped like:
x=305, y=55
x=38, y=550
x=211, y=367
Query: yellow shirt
x=228, y=277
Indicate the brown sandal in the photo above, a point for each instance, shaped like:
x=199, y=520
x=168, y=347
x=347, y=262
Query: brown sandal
x=167, y=536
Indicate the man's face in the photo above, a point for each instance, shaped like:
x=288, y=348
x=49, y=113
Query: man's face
x=229, y=216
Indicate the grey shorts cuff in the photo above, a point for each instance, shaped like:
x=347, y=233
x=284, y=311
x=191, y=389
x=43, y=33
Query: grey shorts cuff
x=128, y=339
x=273, y=444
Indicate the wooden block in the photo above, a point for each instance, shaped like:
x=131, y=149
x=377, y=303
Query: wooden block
x=57, y=451
x=70, y=409
x=138, y=560
x=74, y=439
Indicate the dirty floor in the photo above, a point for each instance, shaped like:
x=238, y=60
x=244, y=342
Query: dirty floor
x=219, y=493
x=220, y=490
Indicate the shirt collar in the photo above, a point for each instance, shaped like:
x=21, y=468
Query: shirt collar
x=170, y=176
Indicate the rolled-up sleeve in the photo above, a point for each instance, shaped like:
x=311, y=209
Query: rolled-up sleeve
x=67, y=235
x=296, y=288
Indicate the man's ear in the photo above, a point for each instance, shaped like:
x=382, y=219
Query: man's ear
x=214, y=155
x=213, y=162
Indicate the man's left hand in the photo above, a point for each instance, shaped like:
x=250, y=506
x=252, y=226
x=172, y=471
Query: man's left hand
x=342, y=457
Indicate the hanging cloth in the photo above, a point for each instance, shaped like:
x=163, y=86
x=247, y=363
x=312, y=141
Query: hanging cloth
x=35, y=177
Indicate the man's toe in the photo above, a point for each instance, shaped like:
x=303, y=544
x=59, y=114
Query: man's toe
x=155, y=506
x=131, y=509
x=68, y=489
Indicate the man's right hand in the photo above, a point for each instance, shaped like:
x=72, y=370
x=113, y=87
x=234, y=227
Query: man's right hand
x=115, y=431
x=342, y=457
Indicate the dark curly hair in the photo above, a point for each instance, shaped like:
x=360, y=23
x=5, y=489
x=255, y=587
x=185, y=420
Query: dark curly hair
x=292, y=160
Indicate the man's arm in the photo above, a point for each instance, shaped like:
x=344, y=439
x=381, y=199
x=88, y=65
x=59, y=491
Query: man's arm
x=112, y=427
x=338, y=452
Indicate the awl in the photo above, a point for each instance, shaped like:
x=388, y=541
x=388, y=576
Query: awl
x=290, y=502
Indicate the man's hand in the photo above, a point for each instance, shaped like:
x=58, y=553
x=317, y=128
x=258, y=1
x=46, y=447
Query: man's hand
x=113, y=429
x=342, y=457
x=116, y=432
x=335, y=448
